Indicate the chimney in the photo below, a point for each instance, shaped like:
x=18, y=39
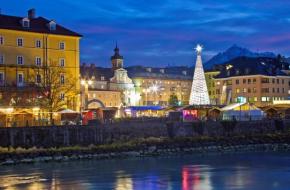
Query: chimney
x=31, y=13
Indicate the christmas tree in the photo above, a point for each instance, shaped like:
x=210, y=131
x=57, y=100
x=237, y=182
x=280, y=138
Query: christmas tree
x=199, y=93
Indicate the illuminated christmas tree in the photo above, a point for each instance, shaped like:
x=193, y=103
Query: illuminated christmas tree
x=199, y=94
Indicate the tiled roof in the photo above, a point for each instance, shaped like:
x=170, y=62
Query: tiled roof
x=242, y=66
x=38, y=25
x=183, y=73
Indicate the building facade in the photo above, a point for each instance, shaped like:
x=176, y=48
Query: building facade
x=31, y=49
x=255, y=80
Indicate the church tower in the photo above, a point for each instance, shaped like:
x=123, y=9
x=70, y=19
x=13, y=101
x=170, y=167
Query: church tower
x=117, y=59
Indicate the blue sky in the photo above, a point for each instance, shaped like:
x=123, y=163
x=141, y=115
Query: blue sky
x=163, y=32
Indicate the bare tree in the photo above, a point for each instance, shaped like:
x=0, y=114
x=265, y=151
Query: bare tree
x=55, y=86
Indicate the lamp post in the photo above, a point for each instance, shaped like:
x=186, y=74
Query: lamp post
x=145, y=91
x=155, y=89
x=85, y=83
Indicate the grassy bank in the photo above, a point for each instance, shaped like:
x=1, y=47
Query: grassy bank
x=145, y=147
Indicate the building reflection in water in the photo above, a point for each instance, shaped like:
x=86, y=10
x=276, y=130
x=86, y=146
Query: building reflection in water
x=148, y=182
x=123, y=181
x=196, y=178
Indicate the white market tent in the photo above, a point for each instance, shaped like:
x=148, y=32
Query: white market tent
x=242, y=111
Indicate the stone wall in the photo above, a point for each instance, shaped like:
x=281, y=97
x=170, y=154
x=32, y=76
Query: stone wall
x=59, y=136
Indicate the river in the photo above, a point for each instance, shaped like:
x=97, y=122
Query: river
x=251, y=171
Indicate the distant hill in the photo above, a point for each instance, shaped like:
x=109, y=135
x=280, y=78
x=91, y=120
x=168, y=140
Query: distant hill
x=233, y=52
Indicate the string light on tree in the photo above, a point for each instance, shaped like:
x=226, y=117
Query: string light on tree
x=199, y=93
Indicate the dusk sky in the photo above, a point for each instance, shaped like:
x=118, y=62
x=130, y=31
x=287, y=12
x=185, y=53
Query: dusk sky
x=162, y=32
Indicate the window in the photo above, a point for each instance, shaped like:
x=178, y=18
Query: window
x=282, y=81
x=249, y=90
x=20, y=42
x=61, y=62
x=20, y=79
x=1, y=59
x=264, y=99
x=278, y=90
x=217, y=91
x=249, y=81
x=38, y=61
x=244, y=90
x=102, y=78
x=273, y=81
x=265, y=90
x=2, y=79
x=265, y=80
x=254, y=81
x=20, y=60
x=237, y=81
x=237, y=72
x=62, y=79
x=62, y=96
x=38, y=43
x=273, y=90
x=283, y=90
x=244, y=81
x=254, y=90
x=277, y=81
x=38, y=78
x=1, y=40
x=61, y=45
x=25, y=23
x=237, y=90
x=52, y=25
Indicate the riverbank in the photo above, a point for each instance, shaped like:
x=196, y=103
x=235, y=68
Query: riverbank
x=149, y=147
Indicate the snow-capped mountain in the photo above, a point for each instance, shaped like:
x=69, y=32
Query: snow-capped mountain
x=233, y=52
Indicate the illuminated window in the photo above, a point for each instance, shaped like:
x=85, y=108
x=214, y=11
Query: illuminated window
x=237, y=90
x=244, y=90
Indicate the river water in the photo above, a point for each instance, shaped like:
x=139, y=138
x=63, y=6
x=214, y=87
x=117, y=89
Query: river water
x=251, y=171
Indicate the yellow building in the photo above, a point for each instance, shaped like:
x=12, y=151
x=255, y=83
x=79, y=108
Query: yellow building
x=210, y=82
x=29, y=47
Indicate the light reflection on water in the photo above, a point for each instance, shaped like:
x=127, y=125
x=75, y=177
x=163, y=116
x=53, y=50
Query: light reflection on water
x=240, y=171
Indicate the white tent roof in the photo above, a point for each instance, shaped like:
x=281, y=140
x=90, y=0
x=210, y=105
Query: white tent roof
x=68, y=111
x=232, y=106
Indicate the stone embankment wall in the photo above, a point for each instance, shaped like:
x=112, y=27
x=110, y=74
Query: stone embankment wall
x=60, y=136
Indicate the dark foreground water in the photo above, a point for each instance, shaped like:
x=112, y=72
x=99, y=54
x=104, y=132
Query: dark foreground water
x=251, y=171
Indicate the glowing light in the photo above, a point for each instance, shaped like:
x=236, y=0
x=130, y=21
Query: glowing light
x=90, y=82
x=154, y=88
x=229, y=67
x=83, y=82
x=198, y=48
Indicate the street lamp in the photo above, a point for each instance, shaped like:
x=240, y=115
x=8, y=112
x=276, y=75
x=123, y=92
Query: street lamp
x=154, y=89
x=146, y=91
x=86, y=83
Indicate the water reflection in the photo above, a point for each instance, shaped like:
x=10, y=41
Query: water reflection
x=196, y=177
x=185, y=172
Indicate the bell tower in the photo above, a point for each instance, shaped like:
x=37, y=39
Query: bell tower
x=117, y=59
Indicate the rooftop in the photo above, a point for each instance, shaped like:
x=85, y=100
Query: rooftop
x=36, y=24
